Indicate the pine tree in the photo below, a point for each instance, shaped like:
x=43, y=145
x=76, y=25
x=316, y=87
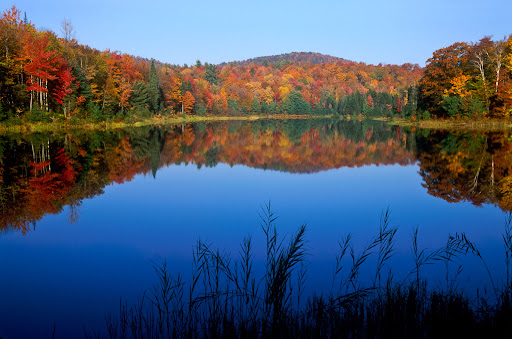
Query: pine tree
x=140, y=99
x=255, y=106
x=295, y=104
x=273, y=108
x=84, y=89
x=211, y=73
x=153, y=88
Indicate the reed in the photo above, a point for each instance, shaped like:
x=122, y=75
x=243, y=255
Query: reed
x=226, y=298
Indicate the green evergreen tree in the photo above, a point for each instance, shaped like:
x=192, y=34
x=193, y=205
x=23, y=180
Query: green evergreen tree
x=264, y=107
x=232, y=105
x=341, y=105
x=412, y=102
x=351, y=105
x=273, y=108
x=330, y=102
x=153, y=88
x=452, y=105
x=367, y=111
x=408, y=110
x=186, y=86
x=211, y=73
x=140, y=98
x=94, y=111
x=84, y=89
x=255, y=106
x=359, y=102
x=201, y=110
x=295, y=104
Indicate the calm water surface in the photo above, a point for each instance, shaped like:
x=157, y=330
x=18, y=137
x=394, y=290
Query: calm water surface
x=85, y=215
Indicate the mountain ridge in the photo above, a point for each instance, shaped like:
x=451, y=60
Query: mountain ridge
x=297, y=57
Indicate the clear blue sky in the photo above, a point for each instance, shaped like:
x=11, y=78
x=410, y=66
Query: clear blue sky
x=178, y=32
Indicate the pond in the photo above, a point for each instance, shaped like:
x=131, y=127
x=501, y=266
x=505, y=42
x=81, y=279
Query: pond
x=85, y=215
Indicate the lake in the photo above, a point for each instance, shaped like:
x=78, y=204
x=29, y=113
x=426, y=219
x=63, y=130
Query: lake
x=85, y=215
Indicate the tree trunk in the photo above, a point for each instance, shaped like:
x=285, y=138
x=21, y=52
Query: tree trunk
x=479, y=64
x=46, y=95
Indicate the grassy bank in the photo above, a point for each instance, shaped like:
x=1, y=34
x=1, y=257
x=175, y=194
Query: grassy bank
x=225, y=298
x=159, y=120
x=458, y=124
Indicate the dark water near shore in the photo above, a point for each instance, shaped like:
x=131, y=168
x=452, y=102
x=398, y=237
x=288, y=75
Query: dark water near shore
x=84, y=215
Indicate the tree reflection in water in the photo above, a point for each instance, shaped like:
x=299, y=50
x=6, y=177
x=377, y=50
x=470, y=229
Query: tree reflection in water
x=41, y=173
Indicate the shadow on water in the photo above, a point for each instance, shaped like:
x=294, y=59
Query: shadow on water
x=225, y=297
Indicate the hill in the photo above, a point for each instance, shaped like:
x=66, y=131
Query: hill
x=44, y=78
x=293, y=57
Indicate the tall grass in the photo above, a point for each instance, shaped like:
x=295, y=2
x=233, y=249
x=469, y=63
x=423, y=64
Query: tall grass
x=225, y=298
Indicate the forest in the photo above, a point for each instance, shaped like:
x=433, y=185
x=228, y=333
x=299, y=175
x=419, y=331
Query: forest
x=469, y=79
x=45, y=77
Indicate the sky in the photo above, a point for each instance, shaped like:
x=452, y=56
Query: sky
x=388, y=32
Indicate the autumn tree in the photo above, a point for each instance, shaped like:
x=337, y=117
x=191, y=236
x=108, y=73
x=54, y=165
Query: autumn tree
x=120, y=75
x=188, y=102
x=479, y=60
x=445, y=64
x=63, y=88
x=41, y=66
x=12, y=31
x=68, y=40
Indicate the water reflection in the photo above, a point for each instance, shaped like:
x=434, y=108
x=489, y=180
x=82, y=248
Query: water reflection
x=467, y=166
x=41, y=173
x=108, y=253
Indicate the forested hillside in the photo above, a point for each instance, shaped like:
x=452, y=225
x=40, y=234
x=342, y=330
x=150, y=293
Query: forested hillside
x=45, y=77
x=311, y=57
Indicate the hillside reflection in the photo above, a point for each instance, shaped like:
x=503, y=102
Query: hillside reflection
x=41, y=173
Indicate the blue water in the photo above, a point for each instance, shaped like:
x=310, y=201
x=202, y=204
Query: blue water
x=71, y=275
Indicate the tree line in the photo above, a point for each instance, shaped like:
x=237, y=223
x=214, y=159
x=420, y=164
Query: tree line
x=46, y=77
x=469, y=79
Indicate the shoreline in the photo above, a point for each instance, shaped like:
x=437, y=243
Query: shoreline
x=155, y=121
x=467, y=125
x=434, y=124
